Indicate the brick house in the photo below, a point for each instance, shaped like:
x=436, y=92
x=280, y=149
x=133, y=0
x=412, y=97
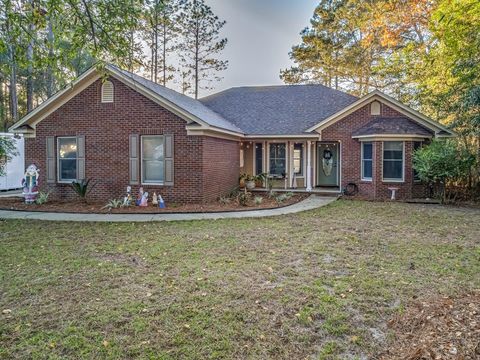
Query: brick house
x=120, y=129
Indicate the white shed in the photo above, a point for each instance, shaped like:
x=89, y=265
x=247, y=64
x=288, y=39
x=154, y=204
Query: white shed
x=15, y=168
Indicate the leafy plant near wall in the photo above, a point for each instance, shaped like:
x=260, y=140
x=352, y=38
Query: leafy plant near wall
x=42, y=197
x=113, y=204
x=83, y=188
x=256, y=178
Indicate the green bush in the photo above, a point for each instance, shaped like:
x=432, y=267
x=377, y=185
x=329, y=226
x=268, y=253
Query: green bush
x=443, y=162
x=42, y=197
x=82, y=187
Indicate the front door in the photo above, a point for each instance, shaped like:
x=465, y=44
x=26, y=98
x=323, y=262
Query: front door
x=327, y=164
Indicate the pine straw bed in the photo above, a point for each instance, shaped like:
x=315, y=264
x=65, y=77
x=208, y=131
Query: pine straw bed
x=437, y=328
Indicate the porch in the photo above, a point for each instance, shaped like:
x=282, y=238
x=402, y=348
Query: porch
x=293, y=164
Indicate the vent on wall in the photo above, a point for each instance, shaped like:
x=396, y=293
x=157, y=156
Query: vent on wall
x=375, y=108
x=107, y=92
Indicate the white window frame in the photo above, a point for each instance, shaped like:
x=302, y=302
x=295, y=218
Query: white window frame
x=387, y=180
x=286, y=157
x=161, y=183
x=363, y=178
x=301, y=174
x=59, y=179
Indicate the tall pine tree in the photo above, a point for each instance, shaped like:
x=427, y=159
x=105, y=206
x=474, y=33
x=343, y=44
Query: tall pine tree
x=201, y=43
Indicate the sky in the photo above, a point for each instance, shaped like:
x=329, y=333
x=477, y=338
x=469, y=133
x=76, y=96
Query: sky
x=260, y=35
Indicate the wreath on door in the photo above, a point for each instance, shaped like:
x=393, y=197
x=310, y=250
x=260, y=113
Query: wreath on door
x=327, y=162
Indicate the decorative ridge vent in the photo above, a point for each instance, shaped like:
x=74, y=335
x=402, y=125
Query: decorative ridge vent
x=107, y=92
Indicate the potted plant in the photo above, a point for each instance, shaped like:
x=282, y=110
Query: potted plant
x=251, y=181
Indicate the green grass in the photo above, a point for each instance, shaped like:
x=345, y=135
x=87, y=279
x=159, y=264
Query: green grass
x=320, y=284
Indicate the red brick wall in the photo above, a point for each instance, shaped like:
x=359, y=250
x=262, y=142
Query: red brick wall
x=221, y=164
x=351, y=157
x=106, y=128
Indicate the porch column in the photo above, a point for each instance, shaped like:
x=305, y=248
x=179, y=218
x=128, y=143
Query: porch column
x=309, y=166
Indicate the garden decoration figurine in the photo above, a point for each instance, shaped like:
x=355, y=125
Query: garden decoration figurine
x=161, y=203
x=155, y=199
x=144, y=200
x=30, y=184
x=139, y=196
x=127, y=200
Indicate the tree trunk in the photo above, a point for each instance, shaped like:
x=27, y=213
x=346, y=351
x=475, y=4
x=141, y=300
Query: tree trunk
x=13, y=83
x=164, y=55
x=3, y=118
x=155, y=32
x=197, y=50
x=152, y=55
x=50, y=76
x=31, y=33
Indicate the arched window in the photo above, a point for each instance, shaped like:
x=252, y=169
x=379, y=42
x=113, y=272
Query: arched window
x=107, y=92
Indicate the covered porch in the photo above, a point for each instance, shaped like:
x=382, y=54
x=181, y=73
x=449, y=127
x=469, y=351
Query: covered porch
x=295, y=164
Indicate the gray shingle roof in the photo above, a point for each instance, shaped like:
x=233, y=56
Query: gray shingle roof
x=397, y=125
x=278, y=110
x=192, y=106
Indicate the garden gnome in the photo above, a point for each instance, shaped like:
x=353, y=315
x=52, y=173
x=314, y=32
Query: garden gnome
x=161, y=203
x=144, y=201
x=154, y=199
x=127, y=200
x=139, y=197
x=30, y=184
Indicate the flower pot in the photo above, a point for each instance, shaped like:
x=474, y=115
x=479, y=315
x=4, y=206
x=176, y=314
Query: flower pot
x=250, y=184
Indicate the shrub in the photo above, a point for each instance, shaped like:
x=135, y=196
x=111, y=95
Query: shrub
x=280, y=198
x=224, y=200
x=42, y=197
x=443, y=162
x=244, y=197
x=113, y=204
x=82, y=188
x=258, y=200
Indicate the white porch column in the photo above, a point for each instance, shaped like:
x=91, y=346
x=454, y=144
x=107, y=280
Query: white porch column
x=309, y=166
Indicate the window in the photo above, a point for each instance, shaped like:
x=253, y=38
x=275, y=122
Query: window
x=277, y=159
x=107, y=92
x=258, y=158
x=367, y=161
x=298, y=159
x=393, y=161
x=152, y=159
x=67, y=159
x=416, y=145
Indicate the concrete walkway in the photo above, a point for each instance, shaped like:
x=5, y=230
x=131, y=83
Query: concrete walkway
x=312, y=202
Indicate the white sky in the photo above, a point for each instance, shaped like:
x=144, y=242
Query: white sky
x=260, y=35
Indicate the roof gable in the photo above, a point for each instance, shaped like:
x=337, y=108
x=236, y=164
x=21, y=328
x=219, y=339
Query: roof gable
x=185, y=107
x=376, y=95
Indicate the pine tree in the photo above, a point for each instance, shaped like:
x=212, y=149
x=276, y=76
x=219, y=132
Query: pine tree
x=334, y=49
x=201, y=43
x=161, y=33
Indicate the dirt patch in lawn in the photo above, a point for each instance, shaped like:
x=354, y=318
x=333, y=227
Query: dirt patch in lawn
x=17, y=203
x=437, y=328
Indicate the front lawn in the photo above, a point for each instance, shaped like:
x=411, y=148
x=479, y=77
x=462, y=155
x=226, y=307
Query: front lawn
x=321, y=284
